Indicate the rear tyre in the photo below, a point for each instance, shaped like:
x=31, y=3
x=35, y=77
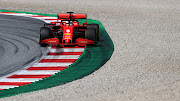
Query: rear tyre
x=96, y=26
x=44, y=34
x=91, y=34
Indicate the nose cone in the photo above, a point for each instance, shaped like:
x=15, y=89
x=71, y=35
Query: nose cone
x=67, y=34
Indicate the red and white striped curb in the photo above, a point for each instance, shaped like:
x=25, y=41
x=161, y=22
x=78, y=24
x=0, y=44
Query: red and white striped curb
x=55, y=61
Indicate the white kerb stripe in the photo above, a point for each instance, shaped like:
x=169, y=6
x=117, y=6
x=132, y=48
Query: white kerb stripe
x=67, y=50
x=20, y=79
x=7, y=86
x=61, y=57
x=50, y=64
x=37, y=72
x=49, y=21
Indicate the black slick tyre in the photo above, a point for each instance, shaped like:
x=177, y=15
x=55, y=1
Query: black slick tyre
x=96, y=26
x=44, y=34
x=91, y=34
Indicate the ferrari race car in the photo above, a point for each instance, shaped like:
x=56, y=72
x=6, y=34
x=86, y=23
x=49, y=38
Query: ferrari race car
x=67, y=31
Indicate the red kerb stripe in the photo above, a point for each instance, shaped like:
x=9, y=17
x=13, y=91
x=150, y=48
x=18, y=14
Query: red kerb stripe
x=51, y=19
x=14, y=83
x=6, y=12
x=29, y=76
x=64, y=47
x=65, y=53
x=46, y=68
x=58, y=60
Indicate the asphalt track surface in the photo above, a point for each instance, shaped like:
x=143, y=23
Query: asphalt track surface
x=19, y=43
x=145, y=64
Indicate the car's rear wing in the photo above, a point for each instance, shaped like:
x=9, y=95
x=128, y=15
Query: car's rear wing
x=70, y=16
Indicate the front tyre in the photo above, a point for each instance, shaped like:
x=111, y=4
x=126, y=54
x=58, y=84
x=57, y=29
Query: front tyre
x=91, y=34
x=96, y=26
x=44, y=34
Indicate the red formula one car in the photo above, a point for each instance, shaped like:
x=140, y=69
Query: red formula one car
x=68, y=32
